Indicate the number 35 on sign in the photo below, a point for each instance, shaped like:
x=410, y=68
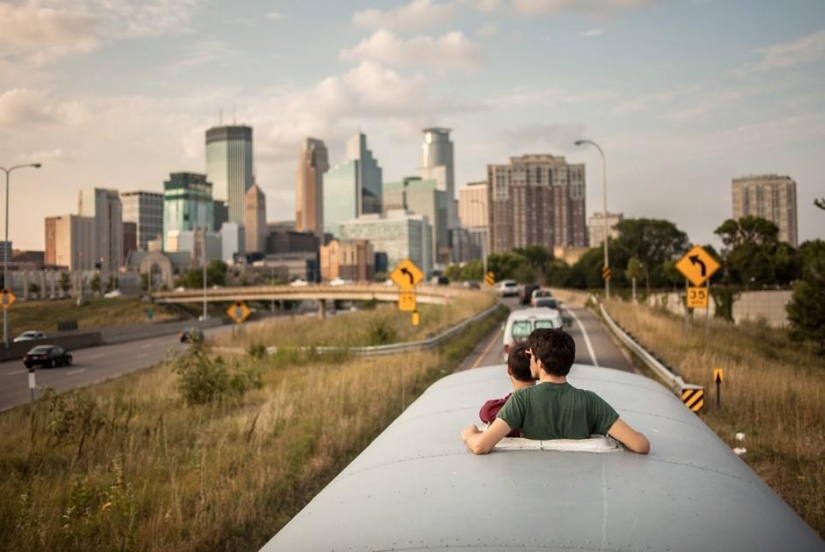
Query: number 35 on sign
x=697, y=298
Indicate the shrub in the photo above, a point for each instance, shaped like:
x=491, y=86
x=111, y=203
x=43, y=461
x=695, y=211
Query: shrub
x=202, y=379
x=256, y=350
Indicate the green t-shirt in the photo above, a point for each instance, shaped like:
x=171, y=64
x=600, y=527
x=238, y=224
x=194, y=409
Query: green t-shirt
x=557, y=411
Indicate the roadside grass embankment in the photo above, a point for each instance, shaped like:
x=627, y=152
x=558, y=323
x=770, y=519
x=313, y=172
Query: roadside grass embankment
x=127, y=465
x=96, y=313
x=773, y=392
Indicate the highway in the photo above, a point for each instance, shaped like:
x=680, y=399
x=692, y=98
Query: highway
x=593, y=346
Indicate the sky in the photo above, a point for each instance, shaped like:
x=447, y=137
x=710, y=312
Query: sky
x=682, y=95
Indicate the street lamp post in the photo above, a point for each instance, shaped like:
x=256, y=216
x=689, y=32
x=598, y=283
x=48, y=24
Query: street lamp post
x=484, y=241
x=8, y=249
x=606, y=226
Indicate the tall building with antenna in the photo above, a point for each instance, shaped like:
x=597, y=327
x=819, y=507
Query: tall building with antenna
x=229, y=166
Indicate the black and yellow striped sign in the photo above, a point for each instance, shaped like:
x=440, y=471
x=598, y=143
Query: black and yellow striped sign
x=694, y=398
x=606, y=273
x=490, y=279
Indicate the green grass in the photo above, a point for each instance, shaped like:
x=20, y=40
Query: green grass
x=96, y=313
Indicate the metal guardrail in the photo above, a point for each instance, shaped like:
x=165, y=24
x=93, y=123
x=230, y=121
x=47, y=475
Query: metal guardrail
x=675, y=382
x=395, y=348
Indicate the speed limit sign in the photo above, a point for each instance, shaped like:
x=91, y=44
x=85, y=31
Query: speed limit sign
x=697, y=298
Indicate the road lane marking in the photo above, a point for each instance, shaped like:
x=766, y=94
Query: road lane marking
x=17, y=372
x=586, y=337
x=78, y=371
x=100, y=355
x=486, y=349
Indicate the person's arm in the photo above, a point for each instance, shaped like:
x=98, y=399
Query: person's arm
x=629, y=437
x=483, y=442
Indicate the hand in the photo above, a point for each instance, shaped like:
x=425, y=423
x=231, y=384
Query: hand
x=468, y=431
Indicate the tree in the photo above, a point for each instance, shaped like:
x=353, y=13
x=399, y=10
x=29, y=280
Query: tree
x=94, y=283
x=65, y=282
x=635, y=271
x=536, y=257
x=653, y=242
x=753, y=255
x=504, y=265
x=806, y=309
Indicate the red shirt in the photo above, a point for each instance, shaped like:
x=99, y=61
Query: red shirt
x=490, y=409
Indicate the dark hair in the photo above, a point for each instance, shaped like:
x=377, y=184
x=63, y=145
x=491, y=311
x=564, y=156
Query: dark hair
x=518, y=361
x=554, y=348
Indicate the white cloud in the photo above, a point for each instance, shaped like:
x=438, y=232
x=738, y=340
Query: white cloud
x=595, y=7
x=451, y=50
x=418, y=14
x=482, y=5
x=542, y=137
x=807, y=49
x=202, y=53
x=592, y=32
x=21, y=108
x=274, y=16
x=488, y=30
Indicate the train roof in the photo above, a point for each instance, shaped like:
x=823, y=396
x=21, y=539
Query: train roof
x=417, y=487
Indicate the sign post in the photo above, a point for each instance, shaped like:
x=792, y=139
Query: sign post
x=718, y=377
x=407, y=276
x=32, y=384
x=490, y=279
x=697, y=265
x=238, y=312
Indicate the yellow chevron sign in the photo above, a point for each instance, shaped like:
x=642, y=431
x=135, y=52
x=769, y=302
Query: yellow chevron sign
x=694, y=397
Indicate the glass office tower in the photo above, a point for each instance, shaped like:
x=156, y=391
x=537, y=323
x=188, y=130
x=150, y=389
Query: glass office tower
x=229, y=166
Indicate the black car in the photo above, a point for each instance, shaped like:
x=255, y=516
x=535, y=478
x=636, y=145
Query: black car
x=47, y=356
x=527, y=293
x=192, y=334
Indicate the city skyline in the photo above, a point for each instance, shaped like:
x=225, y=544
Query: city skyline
x=683, y=97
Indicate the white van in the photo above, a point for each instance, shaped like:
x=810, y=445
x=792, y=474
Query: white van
x=522, y=322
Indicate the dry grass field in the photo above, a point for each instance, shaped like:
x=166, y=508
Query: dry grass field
x=773, y=392
x=128, y=465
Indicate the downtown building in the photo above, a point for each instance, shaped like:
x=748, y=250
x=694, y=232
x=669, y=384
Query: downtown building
x=472, y=212
x=145, y=209
x=255, y=220
x=423, y=197
x=770, y=197
x=70, y=242
x=105, y=207
x=187, y=206
x=349, y=260
x=229, y=168
x=353, y=188
x=313, y=163
x=596, y=227
x=400, y=235
x=536, y=199
x=437, y=163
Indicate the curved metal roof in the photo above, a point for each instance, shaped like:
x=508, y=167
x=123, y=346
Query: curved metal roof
x=417, y=487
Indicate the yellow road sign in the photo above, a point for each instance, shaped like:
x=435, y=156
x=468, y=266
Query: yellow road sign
x=697, y=298
x=416, y=318
x=718, y=377
x=490, y=279
x=238, y=311
x=694, y=398
x=7, y=298
x=697, y=265
x=406, y=302
x=406, y=275
x=606, y=273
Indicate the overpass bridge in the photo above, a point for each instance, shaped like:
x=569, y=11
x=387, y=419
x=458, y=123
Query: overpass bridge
x=435, y=295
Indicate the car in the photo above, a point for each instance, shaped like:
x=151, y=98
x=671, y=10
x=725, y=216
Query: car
x=113, y=293
x=340, y=282
x=472, y=284
x=47, y=356
x=29, y=336
x=546, y=302
x=507, y=288
x=527, y=293
x=538, y=294
x=191, y=334
x=299, y=283
x=521, y=323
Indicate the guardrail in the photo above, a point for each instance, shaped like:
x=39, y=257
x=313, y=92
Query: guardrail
x=665, y=373
x=395, y=348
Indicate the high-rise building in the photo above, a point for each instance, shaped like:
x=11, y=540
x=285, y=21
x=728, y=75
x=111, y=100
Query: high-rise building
x=423, y=197
x=232, y=240
x=472, y=205
x=400, y=235
x=352, y=188
x=50, y=257
x=105, y=207
x=438, y=164
x=187, y=203
x=255, y=220
x=229, y=166
x=536, y=200
x=74, y=242
x=309, y=187
x=596, y=227
x=350, y=260
x=771, y=197
x=145, y=209
x=130, y=239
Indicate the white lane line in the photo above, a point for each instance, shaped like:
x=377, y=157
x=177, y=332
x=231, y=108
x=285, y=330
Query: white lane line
x=586, y=337
x=17, y=372
x=78, y=371
x=99, y=355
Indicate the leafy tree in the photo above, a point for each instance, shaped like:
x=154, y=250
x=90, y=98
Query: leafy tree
x=806, y=309
x=635, y=271
x=558, y=274
x=34, y=288
x=536, y=256
x=753, y=255
x=215, y=276
x=587, y=272
x=504, y=265
x=453, y=272
x=94, y=283
x=653, y=242
x=65, y=282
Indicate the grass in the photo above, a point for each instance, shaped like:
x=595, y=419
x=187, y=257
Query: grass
x=773, y=391
x=96, y=313
x=126, y=465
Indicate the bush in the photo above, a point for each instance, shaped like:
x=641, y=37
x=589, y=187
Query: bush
x=202, y=379
x=256, y=350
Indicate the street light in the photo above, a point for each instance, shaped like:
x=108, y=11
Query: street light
x=604, y=196
x=484, y=241
x=7, y=251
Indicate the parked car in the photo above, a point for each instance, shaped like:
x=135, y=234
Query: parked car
x=30, y=335
x=522, y=322
x=47, y=356
x=527, y=293
x=192, y=334
x=507, y=288
x=299, y=283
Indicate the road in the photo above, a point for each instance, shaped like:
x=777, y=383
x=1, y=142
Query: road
x=594, y=345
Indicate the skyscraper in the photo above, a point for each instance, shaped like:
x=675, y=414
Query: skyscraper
x=187, y=203
x=105, y=207
x=352, y=188
x=771, y=197
x=255, y=220
x=309, y=187
x=536, y=200
x=229, y=166
x=146, y=210
x=437, y=164
x=424, y=198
